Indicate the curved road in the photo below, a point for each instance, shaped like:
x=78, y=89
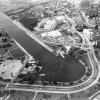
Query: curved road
x=43, y=53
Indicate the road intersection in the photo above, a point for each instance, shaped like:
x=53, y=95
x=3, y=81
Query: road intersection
x=57, y=89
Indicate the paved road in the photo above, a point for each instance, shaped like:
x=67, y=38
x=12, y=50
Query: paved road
x=68, y=65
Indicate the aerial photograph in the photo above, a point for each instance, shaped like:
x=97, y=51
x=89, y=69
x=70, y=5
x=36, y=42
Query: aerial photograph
x=49, y=49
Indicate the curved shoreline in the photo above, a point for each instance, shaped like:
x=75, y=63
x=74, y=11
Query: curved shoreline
x=55, y=89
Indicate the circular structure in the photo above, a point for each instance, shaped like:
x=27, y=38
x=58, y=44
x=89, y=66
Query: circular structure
x=54, y=30
x=57, y=22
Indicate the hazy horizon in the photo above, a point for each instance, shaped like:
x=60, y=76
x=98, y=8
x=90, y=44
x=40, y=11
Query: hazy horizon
x=74, y=1
x=14, y=4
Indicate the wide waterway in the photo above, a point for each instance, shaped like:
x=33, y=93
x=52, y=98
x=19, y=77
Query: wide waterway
x=56, y=68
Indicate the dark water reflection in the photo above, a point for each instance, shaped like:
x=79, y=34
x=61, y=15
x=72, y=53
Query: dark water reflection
x=55, y=68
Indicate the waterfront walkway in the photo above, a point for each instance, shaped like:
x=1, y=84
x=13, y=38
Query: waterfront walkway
x=55, y=67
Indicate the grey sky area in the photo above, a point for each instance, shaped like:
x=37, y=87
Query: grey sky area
x=75, y=1
x=14, y=4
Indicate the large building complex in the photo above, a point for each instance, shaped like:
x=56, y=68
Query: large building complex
x=50, y=52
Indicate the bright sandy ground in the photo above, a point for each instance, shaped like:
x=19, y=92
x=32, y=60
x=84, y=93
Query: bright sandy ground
x=9, y=68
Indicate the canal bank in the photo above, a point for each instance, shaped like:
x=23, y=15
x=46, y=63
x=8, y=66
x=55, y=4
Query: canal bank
x=55, y=67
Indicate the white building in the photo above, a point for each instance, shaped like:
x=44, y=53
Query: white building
x=52, y=34
x=87, y=33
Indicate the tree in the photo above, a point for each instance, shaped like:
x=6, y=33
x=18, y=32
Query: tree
x=29, y=23
x=85, y=4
